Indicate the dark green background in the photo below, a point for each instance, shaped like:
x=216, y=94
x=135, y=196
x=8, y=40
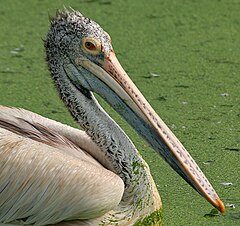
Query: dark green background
x=193, y=47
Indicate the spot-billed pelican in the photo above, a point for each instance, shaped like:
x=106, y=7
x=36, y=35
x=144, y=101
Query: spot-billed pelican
x=51, y=173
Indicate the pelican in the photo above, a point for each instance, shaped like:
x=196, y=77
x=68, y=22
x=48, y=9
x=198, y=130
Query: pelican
x=53, y=174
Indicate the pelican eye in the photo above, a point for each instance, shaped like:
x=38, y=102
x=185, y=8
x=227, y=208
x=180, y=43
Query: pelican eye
x=91, y=45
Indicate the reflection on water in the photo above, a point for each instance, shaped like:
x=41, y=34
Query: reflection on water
x=232, y=208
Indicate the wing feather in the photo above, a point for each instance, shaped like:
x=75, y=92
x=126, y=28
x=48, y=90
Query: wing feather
x=45, y=184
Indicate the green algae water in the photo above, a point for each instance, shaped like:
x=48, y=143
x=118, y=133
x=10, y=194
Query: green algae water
x=183, y=55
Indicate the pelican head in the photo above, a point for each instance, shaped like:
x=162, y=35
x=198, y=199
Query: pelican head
x=80, y=49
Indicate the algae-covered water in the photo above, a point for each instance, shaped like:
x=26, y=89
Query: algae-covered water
x=185, y=58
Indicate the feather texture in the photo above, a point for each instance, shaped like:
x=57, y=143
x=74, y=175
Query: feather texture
x=38, y=175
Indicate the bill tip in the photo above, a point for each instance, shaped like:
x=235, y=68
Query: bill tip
x=221, y=206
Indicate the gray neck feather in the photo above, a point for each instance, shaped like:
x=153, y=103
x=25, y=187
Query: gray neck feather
x=120, y=153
